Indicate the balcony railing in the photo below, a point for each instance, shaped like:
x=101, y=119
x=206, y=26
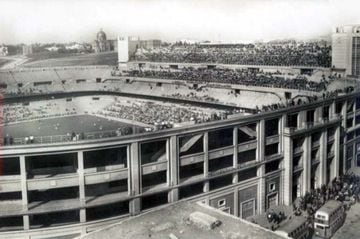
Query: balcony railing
x=298, y=150
x=331, y=138
x=330, y=154
x=297, y=168
x=315, y=143
x=315, y=160
x=310, y=125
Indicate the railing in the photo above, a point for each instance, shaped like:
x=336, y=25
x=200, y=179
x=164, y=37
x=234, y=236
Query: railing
x=298, y=150
x=315, y=143
x=315, y=160
x=297, y=168
x=64, y=138
x=330, y=154
x=310, y=125
x=331, y=138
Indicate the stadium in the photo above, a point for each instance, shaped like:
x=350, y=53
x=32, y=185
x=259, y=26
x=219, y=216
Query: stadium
x=86, y=146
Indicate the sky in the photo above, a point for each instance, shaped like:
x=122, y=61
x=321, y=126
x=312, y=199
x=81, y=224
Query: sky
x=44, y=21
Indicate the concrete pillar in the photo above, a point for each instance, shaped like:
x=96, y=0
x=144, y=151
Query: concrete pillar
x=317, y=176
x=135, y=204
x=24, y=195
x=235, y=158
x=323, y=157
x=318, y=114
x=282, y=125
x=354, y=110
x=332, y=110
x=345, y=156
x=301, y=119
x=336, y=161
x=288, y=170
x=206, y=161
x=82, y=197
x=236, y=202
x=354, y=159
x=261, y=189
x=260, y=129
x=344, y=113
x=260, y=149
x=306, y=174
x=173, y=168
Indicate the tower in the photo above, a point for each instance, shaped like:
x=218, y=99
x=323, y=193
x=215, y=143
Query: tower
x=346, y=49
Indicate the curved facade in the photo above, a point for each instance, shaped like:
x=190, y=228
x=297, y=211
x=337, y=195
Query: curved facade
x=241, y=165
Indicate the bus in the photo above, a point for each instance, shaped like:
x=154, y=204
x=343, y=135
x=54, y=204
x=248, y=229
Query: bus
x=328, y=219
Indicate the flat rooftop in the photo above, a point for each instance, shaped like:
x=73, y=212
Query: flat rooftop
x=290, y=223
x=172, y=222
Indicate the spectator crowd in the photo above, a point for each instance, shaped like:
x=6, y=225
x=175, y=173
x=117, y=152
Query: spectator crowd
x=160, y=115
x=273, y=53
x=345, y=189
x=229, y=76
x=22, y=112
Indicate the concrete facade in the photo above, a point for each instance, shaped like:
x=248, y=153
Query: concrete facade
x=346, y=49
x=246, y=185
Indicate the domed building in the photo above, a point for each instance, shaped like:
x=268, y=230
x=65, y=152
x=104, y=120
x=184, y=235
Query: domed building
x=101, y=44
x=101, y=36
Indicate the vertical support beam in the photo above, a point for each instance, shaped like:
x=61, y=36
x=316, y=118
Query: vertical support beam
x=344, y=114
x=336, y=161
x=345, y=155
x=306, y=175
x=288, y=170
x=282, y=125
x=354, y=117
x=332, y=110
x=235, y=158
x=206, y=161
x=174, y=168
x=261, y=169
x=236, y=202
x=260, y=128
x=80, y=159
x=301, y=119
x=318, y=117
x=24, y=195
x=135, y=205
x=323, y=157
x=354, y=158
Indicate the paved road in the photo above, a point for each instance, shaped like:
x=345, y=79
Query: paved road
x=350, y=229
x=15, y=62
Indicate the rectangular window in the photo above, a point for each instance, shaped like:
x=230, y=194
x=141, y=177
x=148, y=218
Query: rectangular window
x=355, y=69
x=222, y=203
x=248, y=208
x=271, y=127
x=272, y=187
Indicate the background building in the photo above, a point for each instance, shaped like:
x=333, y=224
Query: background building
x=101, y=44
x=4, y=50
x=27, y=49
x=346, y=49
x=148, y=44
x=128, y=46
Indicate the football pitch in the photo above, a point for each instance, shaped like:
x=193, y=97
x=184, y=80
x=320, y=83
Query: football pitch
x=63, y=126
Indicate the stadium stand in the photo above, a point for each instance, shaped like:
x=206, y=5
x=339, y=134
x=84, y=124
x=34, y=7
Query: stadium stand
x=283, y=54
x=239, y=76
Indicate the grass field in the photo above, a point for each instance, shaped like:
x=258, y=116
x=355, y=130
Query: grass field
x=49, y=55
x=3, y=62
x=62, y=126
x=50, y=59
